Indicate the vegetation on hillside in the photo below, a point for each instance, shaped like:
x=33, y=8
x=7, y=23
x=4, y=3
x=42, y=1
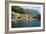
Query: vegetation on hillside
x=21, y=10
x=18, y=9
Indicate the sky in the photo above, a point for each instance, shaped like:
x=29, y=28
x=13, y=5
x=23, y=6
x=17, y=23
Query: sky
x=30, y=7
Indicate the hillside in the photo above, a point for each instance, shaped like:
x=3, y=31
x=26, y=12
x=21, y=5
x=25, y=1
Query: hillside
x=33, y=12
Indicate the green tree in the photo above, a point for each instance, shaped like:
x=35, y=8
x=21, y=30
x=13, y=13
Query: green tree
x=17, y=9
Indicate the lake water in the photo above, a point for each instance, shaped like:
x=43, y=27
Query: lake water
x=23, y=23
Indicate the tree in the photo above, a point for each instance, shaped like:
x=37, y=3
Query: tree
x=17, y=9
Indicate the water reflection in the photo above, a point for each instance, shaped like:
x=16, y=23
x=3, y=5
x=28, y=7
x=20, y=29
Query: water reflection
x=26, y=23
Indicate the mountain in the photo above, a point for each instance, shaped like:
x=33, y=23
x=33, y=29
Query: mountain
x=31, y=11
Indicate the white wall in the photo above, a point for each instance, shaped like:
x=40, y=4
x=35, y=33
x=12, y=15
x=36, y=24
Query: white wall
x=2, y=17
